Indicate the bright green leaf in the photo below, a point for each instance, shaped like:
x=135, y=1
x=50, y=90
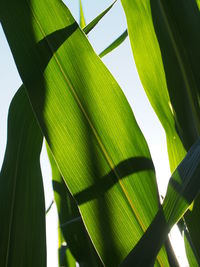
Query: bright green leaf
x=165, y=45
x=82, y=18
x=114, y=44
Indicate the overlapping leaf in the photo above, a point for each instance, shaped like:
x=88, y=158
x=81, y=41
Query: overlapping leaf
x=88, y=124
x=183, y=187
x=65, y=257
x=71, y=225
x=165, y=45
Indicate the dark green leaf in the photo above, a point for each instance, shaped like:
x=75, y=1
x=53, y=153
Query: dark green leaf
x=22, y=205
x=66, y=259
x=70, y=222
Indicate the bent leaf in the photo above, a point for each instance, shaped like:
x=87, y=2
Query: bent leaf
x=21, y=190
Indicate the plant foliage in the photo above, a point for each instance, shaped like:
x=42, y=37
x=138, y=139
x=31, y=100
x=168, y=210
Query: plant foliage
x=103, y=176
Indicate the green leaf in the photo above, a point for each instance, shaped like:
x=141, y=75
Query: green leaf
x=66, y=259
x=98, y=147
x=198, y=3
x=95, y=21
x=23, y=241
x=114, y=44
x=192, y=218
x=183, y=187
x=191, y=253
x=82, y=18
x=70, y=222
x=165, y=45
x=191, y=256
x=150, y=67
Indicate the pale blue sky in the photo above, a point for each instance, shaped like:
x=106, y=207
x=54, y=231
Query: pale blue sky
x=120, y=63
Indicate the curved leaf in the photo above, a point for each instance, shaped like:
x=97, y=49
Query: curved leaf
x=21, y=190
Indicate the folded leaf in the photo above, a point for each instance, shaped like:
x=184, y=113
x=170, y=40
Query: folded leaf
x=22, y=208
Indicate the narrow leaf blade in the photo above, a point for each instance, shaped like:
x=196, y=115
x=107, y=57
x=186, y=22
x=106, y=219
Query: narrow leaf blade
x=95, y=21
x=114, y=44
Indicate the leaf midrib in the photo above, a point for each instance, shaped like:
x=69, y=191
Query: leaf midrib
x=102, y=147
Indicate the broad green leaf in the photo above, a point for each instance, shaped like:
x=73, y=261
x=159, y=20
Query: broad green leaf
x=95, y=21
x=114, y=44
x=183, y=187
x=165, y=45
x=82, y=18
x=22, y=208
x=70, y=222
x=88, y=124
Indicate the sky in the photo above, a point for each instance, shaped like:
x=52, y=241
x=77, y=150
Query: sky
x=121, y=64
